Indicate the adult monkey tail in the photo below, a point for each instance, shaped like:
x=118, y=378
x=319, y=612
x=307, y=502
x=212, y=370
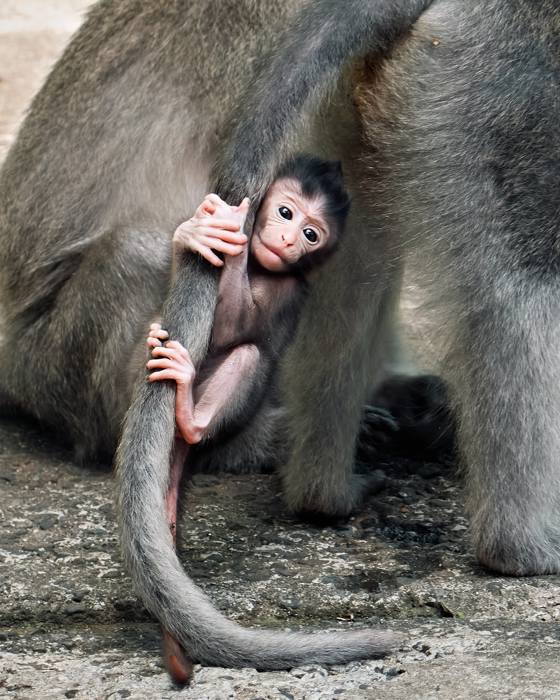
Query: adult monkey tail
x=309, y=58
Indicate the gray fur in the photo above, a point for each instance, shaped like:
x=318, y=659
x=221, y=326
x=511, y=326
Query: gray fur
x=479, y=156
x=143, y=455
x=453, y=164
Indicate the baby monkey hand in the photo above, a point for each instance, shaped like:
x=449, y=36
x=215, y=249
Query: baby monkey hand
x=215, y=226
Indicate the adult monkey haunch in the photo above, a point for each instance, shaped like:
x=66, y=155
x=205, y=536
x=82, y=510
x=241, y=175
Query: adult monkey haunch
x=309, y=59
x=115, y=151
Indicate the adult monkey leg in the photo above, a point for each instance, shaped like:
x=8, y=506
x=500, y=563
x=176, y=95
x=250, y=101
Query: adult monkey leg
x=309, y=60
x=338, y=357
x=508, y=400
x=476, y=195
x=320, y=477
x=503, y=362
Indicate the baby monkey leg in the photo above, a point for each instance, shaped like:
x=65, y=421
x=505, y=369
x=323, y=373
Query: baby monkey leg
x=180, y=454
x=229, y=390
x=224, y=395
x=178, y=664
x=226, y=388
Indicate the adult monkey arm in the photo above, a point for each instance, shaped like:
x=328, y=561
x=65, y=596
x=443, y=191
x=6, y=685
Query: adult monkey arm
x=311, y=54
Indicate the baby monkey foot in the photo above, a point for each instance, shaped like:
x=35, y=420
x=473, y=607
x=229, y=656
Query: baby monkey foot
x=177, y=662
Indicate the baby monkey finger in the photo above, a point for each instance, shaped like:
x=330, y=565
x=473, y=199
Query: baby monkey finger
x=172, y=374
x=156, y=331
x=223, y=246
x=181, y=351
x=206, y=252
x=225, y=224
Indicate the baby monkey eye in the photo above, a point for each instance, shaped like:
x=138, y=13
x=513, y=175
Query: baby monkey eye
x=285, y=213
x=311, y=235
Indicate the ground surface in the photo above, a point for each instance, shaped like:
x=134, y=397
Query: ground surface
x=70, y=626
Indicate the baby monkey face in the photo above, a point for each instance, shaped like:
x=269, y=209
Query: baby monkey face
x=289, y=225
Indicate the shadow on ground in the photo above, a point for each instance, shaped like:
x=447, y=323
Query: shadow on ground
x=70, y=625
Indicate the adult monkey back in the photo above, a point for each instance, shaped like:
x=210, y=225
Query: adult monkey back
x=485, y=229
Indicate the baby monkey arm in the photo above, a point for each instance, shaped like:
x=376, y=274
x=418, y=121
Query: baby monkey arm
x=215, y=226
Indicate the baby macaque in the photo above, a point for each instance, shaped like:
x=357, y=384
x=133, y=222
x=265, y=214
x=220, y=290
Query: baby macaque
x=261, y=290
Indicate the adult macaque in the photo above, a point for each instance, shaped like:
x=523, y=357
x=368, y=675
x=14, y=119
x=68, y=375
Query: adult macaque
x=446, y=119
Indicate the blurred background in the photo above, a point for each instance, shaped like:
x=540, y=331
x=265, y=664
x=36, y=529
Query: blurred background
x=33, y=33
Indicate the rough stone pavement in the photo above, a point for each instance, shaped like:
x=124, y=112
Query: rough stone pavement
x=71, y=627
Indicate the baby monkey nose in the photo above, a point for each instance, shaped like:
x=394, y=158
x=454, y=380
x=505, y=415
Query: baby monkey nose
x=287, y=238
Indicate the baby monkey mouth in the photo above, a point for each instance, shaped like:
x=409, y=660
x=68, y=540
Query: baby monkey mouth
x=270, y=250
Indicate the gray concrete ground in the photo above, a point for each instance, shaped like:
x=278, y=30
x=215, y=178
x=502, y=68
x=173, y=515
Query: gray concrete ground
x=71, y=627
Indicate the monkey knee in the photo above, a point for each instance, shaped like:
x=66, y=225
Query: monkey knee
x=192, y=434
x=194, y=437
x=247, y=355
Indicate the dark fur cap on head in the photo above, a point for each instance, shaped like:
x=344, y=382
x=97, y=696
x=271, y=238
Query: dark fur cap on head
x=319, y=177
